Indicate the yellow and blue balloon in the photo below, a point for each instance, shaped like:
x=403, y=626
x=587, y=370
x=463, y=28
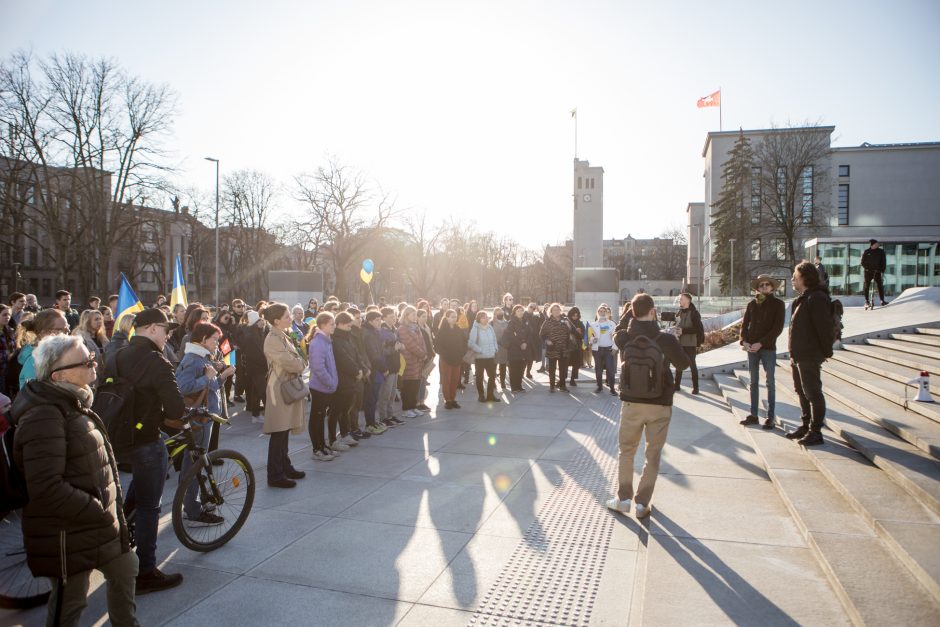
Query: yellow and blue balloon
x=366, y=272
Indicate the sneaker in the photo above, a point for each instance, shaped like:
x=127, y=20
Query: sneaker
x=613, y=392
x=387, y=423
x=395, y=421
x=360, y=434
x=573, y=383
x=493, y=399
x=695, y=391
x=424, y=407
x=642, y=511
x=813, y=438
x=339, y=445
x=322, y=455
x=599, y=389
x=449, y=405
x=293, y=473
x=768, y=424
x=376, y=429
x=239, y=399
x=350, y=440
x=204, y=519
x=563, y=388
x=619, y=506
x=456, y=405
x=799, y=433
x=750, y=420
x=410, y=414
x=154, y=581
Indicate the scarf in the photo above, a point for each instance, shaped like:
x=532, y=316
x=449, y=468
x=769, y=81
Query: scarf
x=760, y=298
x=82, y=392
x=198, y=349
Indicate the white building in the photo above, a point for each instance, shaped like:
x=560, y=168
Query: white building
x=588, y=194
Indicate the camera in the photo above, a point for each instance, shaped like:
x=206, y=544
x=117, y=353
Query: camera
x=668, y=316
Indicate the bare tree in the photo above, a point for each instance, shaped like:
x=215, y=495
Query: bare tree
x=250, y=249
x=791, y=165
x=424, y=245
x=345, y=212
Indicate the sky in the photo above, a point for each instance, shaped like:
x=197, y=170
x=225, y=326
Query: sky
x=462, y=109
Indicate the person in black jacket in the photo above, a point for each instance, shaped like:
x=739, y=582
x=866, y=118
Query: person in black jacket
x=350, y=371
x=250, y=337
x=74, y=521
x=762, y=324
x=156, y=398
x=811, y=337
x=874, y=263
x=378, y=369
x=451, y=344
x=575, y=344
x=691, y=335
x=516, y=339
x=533, y=319
x=651, y=415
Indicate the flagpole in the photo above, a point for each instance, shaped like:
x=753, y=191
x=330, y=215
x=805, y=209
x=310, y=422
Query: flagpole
x=575, y=133
x=719, y=109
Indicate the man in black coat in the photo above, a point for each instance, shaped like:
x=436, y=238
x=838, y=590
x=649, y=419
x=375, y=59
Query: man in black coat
x=156, y=398
x=762, y=324
x=811, y=337
x=651, y=415
x=874, y=262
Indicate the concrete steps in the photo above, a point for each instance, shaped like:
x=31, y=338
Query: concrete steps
x=890, y=356
x=907, y=465
x=904, y=346
x=861, y=391
x=894, y=372
x=928, y=331
x=867, y=532
x=917, y=338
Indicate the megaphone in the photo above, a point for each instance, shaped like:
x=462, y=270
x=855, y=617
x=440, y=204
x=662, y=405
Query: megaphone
x=923, y=387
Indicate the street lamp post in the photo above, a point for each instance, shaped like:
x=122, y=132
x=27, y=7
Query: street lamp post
x=732, y=273
x=216, y=161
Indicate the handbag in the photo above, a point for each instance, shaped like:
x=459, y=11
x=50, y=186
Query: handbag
x=293, y=389
x=470, y=356
x=192, y=401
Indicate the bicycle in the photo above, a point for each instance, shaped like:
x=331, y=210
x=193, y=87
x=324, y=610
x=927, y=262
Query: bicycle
x=225, y=484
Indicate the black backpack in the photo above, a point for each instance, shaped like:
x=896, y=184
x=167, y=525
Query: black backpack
x=643, y=370
x=114, y=404
x=12, y=481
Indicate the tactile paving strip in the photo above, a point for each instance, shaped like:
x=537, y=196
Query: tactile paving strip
x=552, y=577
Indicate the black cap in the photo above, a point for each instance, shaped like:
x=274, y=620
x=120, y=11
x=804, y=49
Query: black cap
x=872, y=241
x=150, y=316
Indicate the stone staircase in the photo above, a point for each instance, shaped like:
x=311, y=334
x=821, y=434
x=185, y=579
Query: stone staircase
x=868, y=501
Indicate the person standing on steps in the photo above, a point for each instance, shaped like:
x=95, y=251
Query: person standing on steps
x=811, y=337
x=646, y=389
x=691, y=336
x=762, y=324
x=821, y=269
x=874, y=263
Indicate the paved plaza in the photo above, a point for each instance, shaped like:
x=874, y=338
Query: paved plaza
x=492, y=515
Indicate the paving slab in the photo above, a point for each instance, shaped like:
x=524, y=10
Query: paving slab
x=467, y=578
x=431, y=616
x=509, y=425
x=251, y=601
x=373, y=461
x=366, y=558
x=499, y=444
x=415, y=438
x=320, y=492
x=449, y=506
x=469, y=469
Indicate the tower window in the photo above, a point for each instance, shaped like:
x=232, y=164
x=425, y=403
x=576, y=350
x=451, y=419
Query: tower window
x=579, y=182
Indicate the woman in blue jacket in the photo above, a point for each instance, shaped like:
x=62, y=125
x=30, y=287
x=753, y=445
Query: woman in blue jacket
x=196, y=375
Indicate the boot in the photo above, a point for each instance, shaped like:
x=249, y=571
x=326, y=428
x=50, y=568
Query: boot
x=813, y=438
x=799, y=433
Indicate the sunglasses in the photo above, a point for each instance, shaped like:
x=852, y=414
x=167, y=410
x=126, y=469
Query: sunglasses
x=765, y=285
x=91, y=363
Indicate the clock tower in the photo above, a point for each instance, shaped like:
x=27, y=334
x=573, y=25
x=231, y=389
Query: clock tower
x=588, y=186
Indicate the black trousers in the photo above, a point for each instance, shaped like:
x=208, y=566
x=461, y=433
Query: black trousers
x=409, y=394
x=278, y=461
x=561, y=364
x=241, y=374
x=879, y=281
x=574, y=363
x=516, y=366
x=337, y=417
x=808, y=385
x=489, y=367
x=690, y=353
x=501, y=369
x=319, y=406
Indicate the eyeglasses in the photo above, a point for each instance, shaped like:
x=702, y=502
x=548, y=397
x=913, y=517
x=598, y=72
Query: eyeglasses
x=765, y=285
x=91, y=363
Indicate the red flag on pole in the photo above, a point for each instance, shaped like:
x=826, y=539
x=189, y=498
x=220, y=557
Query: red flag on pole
x=712, y=100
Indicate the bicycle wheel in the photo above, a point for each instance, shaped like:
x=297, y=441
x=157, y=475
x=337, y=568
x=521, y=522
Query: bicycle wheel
x=227, y=491
x=18, y=588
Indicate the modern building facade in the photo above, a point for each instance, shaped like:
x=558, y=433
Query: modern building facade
x=890, y=192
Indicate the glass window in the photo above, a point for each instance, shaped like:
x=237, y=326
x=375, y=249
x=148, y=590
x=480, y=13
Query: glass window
x=806, y=187
x=47, y=287
x=592, y=183
x=843, y=170
x=843, y=204
x=755, y=250
x=579, y=182
x=778, y=249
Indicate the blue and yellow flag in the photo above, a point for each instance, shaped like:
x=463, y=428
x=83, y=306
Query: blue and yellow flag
x=128, y=303
x=178, y=297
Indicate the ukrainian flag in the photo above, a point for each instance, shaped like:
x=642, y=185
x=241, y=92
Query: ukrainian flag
x=128, y=303
x=178, y=297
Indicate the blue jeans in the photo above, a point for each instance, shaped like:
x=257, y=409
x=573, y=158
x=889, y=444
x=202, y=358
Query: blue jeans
x=604, y=361
x=767, y=358
x=190, y=506
x=149, y=463
x=371, y=398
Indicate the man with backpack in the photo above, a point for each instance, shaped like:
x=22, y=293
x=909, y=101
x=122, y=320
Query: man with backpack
x=811, y=337
x=874, y=263
x=646, y=389
x=156, y=398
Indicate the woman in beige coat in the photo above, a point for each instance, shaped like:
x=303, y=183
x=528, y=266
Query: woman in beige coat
x=280, y=417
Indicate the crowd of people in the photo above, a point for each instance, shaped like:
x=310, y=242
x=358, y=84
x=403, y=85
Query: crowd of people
x=362, y=362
